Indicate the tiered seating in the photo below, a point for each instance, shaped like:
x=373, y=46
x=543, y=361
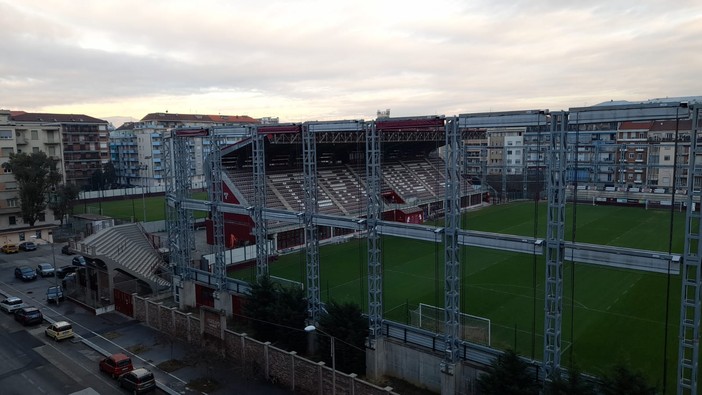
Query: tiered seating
x=289, y=186
x=400, y=179
x=345, y=188
x=432, y=181
x=128, y=247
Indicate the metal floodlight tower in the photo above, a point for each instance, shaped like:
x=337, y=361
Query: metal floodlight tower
x=555, y=246
x=309, y=159
x=691, y=272
x=260, y=225
x=373, y=212
x=452, y=275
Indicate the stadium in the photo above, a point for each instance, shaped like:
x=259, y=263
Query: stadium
x=391, y=214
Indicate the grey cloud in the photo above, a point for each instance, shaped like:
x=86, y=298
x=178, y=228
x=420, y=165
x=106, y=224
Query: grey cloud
x=489, y=54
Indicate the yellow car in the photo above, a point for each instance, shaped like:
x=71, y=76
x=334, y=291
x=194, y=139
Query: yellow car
x=10, y=249
x=59, y=330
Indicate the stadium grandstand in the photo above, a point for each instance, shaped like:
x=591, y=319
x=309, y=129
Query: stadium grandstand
x=413, y=178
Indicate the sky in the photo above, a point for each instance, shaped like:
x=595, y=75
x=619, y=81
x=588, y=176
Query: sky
x=303, y=60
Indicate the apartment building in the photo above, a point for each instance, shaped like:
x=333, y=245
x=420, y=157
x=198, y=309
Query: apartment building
x=124, y=155
x=505, y=150
x=137, y=149
x=77, y=142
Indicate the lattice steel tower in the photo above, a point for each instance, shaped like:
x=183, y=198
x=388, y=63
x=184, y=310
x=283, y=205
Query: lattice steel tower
x=259, y=180
x=689, y=346
x=452, y=202
x=179, y=173
x=214, y=177
x=555, y=247
x=373, y=212
x=309, y=163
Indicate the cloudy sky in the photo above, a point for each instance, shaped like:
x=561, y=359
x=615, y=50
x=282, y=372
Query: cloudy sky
x=319, y=60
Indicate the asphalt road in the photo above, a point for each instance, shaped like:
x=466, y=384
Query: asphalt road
x=31, y=363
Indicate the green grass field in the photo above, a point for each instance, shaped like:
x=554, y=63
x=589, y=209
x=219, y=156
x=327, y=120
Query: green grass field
x=609, y=315
x=141, y=209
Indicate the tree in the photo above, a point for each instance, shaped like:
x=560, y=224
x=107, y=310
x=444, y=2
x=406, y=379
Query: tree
x=109, y=174
x=346, y=323
x=36, y=175
x=97, y=181
x=277, y=314
x=63, y=197
x=622, y=381
x=260, y=308
x=508, y=375
x=575, y=384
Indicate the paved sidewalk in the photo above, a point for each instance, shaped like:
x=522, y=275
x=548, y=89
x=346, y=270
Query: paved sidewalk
x=114, y=332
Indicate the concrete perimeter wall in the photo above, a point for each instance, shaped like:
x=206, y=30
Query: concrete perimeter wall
x=252, y=357
x=423, y=368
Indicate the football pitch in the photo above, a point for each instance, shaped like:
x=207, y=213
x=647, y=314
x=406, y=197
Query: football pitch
x=610, y=315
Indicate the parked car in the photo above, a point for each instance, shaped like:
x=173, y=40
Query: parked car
x=29, y=316
x=45, y=269
x=116, y=365
x=11, y=303
x=54, y=293
x=64, y=271
x=59, y=330
x=9, y=249
x=28, y=246
x=66, y=250
x=138, y=380
x=25, y=273
x=79, y=260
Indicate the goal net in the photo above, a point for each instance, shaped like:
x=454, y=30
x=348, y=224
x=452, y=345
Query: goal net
x=285, y=283
x=471, y=328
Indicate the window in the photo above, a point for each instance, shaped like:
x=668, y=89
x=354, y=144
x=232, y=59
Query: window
x=35, y=135
x=631, y=155
x=52, y=151
x=14, y=202
x=509, y=152
x=13, y=220
x=21, y=236
x=35, y=150
x=38, y=233
x=666, y=157
x=6, y=151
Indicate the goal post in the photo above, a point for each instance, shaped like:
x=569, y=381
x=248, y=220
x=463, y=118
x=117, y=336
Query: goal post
x=472, y=328
x=285, y=283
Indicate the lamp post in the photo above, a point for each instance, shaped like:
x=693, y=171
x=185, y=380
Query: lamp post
x=144, y=166
x=53, y=258
x=313, y=329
